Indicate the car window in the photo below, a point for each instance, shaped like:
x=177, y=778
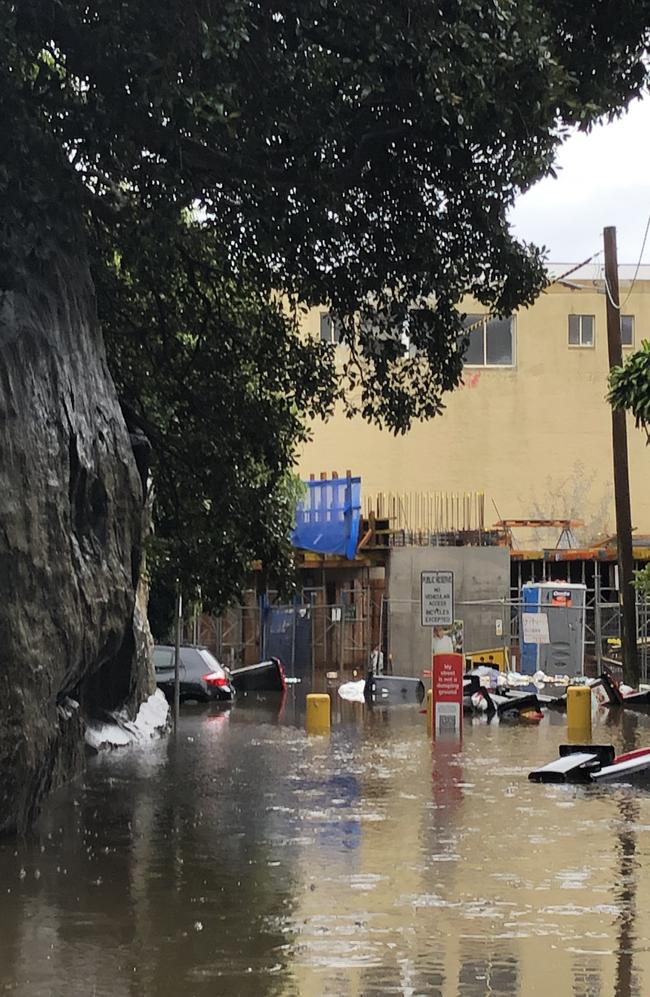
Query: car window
x=211, y=662
x=163, y=657
x=192, y=662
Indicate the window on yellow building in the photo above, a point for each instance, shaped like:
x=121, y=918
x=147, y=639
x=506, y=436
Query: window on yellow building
x=329, y=328
x=582, y=330
x=491, y=341
x=627, y=330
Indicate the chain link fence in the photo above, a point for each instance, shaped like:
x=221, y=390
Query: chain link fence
x=489, y=629
x=312, y=637
x=309, y=636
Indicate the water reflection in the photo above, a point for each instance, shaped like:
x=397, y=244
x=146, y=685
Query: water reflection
x=480, y=975
x=244, y=857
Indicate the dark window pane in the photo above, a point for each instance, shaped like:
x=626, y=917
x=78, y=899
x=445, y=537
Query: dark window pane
x=499, y=341
x=627, y=330
x=163, y=657
x=470, y=320
x=587, y=330
x=574, y=330
x=192, y=662
x=474, y=353
x=326, y=329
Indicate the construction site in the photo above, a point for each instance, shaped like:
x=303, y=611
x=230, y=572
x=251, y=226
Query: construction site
x=359, y=564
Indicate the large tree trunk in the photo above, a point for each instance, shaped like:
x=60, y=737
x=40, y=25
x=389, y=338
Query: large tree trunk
x=71, y=515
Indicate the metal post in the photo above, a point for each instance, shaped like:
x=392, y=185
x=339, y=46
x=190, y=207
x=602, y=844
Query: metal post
x=293, y=640
x=621, y=473
x=644, y=629
x=312, y=614
x=598, y=632
x=177, y=656
x=262, y=604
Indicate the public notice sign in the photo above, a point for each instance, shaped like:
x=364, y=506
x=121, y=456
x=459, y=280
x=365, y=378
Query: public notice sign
x=437, y=598
x=447, y=693
x=535, y=627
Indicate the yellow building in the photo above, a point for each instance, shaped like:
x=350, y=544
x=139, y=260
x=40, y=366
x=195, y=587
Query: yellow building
x=529, y=426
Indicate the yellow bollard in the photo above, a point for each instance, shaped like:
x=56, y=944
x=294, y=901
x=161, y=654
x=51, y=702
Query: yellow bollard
x=578, y=713
x=318, y=718
x=430, y=712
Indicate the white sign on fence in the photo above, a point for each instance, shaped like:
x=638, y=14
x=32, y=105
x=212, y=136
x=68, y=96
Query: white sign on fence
x=535, y=628
x=437, y=598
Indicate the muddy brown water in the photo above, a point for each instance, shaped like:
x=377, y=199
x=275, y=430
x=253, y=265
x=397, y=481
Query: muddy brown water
x=247, y=858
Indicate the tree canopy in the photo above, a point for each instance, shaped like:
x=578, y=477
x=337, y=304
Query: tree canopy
x=629, y=389
x=629, y=386
x=215, y=158
x=219, y=380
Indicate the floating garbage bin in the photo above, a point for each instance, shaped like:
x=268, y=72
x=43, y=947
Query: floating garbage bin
x=393, y=690
x=265, y=676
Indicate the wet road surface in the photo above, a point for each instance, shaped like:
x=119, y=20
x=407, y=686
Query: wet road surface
x=247, y=858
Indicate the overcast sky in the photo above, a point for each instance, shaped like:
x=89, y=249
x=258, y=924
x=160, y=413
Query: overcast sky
x=603, y=179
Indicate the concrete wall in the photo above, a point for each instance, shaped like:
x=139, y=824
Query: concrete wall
x=535, y=437
x=480, y=573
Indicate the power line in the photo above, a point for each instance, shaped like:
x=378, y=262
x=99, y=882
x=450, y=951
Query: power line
x=567, y=273
x=619, y=307
x=638, y=266
x=609, y=294
x=556, y=280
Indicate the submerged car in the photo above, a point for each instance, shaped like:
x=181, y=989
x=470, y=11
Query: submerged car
x=202, y=678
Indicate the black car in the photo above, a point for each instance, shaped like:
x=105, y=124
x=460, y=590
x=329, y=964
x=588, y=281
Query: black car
x=201, y=676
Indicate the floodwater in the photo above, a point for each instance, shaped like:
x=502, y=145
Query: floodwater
x=247, y=858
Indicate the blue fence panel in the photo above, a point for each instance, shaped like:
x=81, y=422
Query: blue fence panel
x=288, y=636
x=328, y=519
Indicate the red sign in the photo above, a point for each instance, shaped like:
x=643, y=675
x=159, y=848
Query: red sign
x=447, y=694
x=448, y=678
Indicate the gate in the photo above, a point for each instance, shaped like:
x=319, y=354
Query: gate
x=310, y=637
x=287, y=634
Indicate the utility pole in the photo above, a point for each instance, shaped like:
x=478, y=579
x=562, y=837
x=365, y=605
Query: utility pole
x=621, y=473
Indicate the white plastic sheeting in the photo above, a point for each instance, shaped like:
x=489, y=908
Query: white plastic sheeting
x=151, y=721
x=352, y=691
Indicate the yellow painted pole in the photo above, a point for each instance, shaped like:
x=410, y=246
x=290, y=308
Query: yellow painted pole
x=430, y=712
x=578, y=713
x=318, y=718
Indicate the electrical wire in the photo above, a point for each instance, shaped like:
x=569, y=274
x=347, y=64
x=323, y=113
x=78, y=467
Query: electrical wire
x=567, y=273
x=556, y=280
x=638, y=266
x=608, y=291
x=573, y=269
x=619, y=307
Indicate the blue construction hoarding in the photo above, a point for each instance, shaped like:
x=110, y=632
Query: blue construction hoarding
x=328, y=518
